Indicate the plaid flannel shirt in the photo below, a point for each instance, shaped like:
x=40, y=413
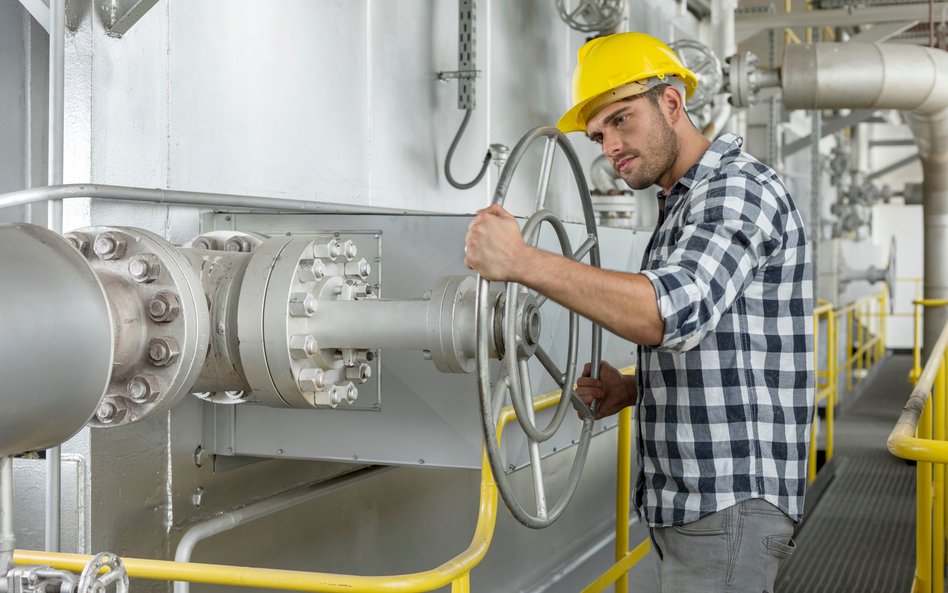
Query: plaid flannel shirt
x=726, y=400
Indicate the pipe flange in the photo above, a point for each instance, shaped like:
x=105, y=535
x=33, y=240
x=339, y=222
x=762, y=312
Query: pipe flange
x=160, y=321
x=286, y=279
x=453, y=348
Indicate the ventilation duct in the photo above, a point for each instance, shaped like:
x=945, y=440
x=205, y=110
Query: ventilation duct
x=912, y=79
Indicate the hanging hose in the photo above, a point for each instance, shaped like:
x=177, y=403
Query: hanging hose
x=447, y=159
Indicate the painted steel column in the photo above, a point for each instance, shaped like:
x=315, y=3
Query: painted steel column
x=889, y=76
x=57, y=60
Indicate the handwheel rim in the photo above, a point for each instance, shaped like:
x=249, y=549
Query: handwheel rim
x=482, y=308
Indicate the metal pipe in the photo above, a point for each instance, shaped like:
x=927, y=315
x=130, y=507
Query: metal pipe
x=155, y=195
x=57, y=67
x=374, y=323
x=6, y=516
x=889, y=76
x=263, y=508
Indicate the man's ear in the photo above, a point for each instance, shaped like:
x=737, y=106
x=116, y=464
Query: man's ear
x=671, y=104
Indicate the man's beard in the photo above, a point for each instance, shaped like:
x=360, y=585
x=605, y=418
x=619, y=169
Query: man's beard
x=655, y=159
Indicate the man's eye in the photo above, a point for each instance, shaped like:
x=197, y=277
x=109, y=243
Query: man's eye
x=621, y=120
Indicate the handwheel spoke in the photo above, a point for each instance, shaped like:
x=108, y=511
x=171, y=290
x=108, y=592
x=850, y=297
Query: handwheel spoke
x=550, y=366
x=546, y=168
x=539, y=490
x=585, y=248
x=498, y=391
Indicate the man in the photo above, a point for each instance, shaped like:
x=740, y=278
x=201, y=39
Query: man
x=722, y=313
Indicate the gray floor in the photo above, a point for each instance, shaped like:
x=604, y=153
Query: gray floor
x=861, y=535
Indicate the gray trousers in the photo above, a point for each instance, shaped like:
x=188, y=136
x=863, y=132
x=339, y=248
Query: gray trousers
x=737, y=550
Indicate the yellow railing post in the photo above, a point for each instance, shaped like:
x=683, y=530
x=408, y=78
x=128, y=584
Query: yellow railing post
x=849, y=349
x=923, y=510
x=917, y=349
x=831, y=363
x=938, y=504
x=623, y=490
x=859, y=336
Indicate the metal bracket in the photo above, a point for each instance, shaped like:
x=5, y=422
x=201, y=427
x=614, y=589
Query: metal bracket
x=467, y=53
x=446, y=75
x=120, y=15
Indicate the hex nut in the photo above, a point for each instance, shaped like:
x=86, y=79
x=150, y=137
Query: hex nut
x=359, y=372
x=349, y=250
x=302, y=346
x=311, y=380
x=238, y=244
x=311, y=270
x=327, y=248
x=302, y=304
x=163, y=351
x=164, y=307
x=110, y=245
x=144, y=267
x=358, y=269
x=352, y=393
x=144, y=388
x=111, y=411
x=204, y=242
x=80, y=241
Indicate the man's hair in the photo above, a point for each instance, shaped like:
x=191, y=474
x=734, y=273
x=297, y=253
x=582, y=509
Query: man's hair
x=652, y=94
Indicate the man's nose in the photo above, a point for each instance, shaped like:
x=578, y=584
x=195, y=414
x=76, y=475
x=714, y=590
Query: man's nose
x=611, y=145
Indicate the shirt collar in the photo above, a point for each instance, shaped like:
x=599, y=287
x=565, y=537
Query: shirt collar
x=709, y=162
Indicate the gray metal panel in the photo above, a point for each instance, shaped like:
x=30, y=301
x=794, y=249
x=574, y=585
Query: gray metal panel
x=426, y=417
x=14, y=115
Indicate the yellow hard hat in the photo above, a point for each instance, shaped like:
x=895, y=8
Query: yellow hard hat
x=621, y=63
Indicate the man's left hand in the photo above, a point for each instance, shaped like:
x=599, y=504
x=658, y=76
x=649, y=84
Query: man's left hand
x=494, y=247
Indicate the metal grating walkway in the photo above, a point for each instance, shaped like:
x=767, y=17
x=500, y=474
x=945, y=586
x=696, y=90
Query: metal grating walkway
x=861, y=535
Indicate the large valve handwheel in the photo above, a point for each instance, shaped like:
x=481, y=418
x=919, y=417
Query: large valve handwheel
x=588, y=16
x=706, y=66
x=521, y=341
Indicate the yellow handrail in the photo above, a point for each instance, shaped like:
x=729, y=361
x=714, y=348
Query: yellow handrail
x=455, y=571
x=919, y=435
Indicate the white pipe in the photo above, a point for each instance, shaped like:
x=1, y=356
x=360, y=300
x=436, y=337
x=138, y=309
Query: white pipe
x=889, y=76
x=160, y=196
x=251, y=512
x=6, y=516
x=57, y=66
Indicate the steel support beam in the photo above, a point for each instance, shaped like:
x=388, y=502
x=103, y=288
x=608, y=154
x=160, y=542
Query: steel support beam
x=829, y=126
x=39, y=10
x=893, y=167
x=120, y=15
x=882, y=32
x=750, y=24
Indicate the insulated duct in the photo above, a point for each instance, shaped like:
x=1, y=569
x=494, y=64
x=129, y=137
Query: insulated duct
x=912, y=79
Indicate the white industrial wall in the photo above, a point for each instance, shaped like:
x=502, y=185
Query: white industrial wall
x=335, y=101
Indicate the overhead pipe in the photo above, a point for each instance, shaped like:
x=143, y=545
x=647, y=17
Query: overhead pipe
x=909, y=78
x=57, y=67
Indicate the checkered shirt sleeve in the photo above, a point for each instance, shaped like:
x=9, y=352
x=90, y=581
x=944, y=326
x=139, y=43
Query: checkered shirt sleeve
x=726, y=399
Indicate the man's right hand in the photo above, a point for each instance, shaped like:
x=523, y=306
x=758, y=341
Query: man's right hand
x=613, y=390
